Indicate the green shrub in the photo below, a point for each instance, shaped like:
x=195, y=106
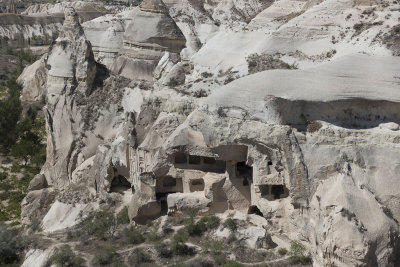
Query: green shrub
x=230, y=224
x=106, y=255
x=282, y=251
x=139, y=256
x=12, y=245
x=204, y=224
x=15, y=168
x=153, y=236
x=231, y=238
x=179, y=247
x=211, y=221
x=232, y=263
x=202, y=262
x=195, y=229
x=35, y=225
x=164, y=250
x=123, y=217
x=297, y=254
x=66, y=257
x=3, y=176
x=220, y=259
x=313, y=126
x=133, y=236
x=215, y=247
x=182, y=249
x=100, y=224
x=192, y=212
x=180, y=237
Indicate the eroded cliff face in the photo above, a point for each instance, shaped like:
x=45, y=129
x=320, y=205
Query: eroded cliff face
x=313, y=150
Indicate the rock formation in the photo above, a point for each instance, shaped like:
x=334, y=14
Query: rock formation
x=106, y=35
x=34, y=81
x=71, y=71
x=312, y=148
x=38, y=20
x=151, y=33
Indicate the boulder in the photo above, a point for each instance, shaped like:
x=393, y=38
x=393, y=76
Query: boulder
x=392, y=126
x=35, y=205
x=38, y=182
x=34, y=82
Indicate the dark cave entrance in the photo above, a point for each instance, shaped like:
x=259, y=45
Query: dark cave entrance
x=120, y=184
x=166, y=185
x=277, y=191
x=255, y=210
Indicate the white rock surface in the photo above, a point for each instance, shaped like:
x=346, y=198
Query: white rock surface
x=314, y=150
x=62, y=216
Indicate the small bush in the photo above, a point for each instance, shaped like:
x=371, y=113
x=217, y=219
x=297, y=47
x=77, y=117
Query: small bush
x=220, y=259
x=164, y=250
x=206, y=75
x=180, y=237
x=153, y=236
x=210, y=221
x=204, y=224
x=133, y=236
x=215, y=247
x=101, y=224
x=230, y=224
x=3, y=176
x=195, y=229
x=297, y=254
x=202, y=262
x=183, y=249
x=231, y=238
x=123, y=217
x=106, y=255
x=232, y=263
x=66, y=257
x=11, y=245
x=179, y=247
x=313, y=126
x=192, y=212
x=35, y=226
x=139, y=256
x=282, y=251
x=149, y=223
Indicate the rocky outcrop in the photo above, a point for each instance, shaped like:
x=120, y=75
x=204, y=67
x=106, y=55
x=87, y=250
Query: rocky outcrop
x=34, y=82
x=106, y=35
x=13, y=26
x=311, y=151
x=71, y=71
x=151, y=33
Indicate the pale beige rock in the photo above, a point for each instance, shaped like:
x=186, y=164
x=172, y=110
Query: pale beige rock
x=38, y=182
x=151, y=33
x=299, y=154
x=34, y=82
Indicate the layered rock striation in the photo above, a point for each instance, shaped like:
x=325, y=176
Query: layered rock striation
x=312, y=148
x=151, y=33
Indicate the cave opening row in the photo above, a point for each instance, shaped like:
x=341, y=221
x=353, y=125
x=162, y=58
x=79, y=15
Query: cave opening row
x=207, y=164
x=273, y=192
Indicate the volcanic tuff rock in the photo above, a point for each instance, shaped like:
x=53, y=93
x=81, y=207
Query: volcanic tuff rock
x=313, y=148
x=106, y=35
x=71, y=71
x=151, y=33
x=34, y=81
x=38, y=20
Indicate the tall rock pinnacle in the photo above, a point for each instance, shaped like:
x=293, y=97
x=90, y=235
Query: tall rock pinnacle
x=71, y=55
